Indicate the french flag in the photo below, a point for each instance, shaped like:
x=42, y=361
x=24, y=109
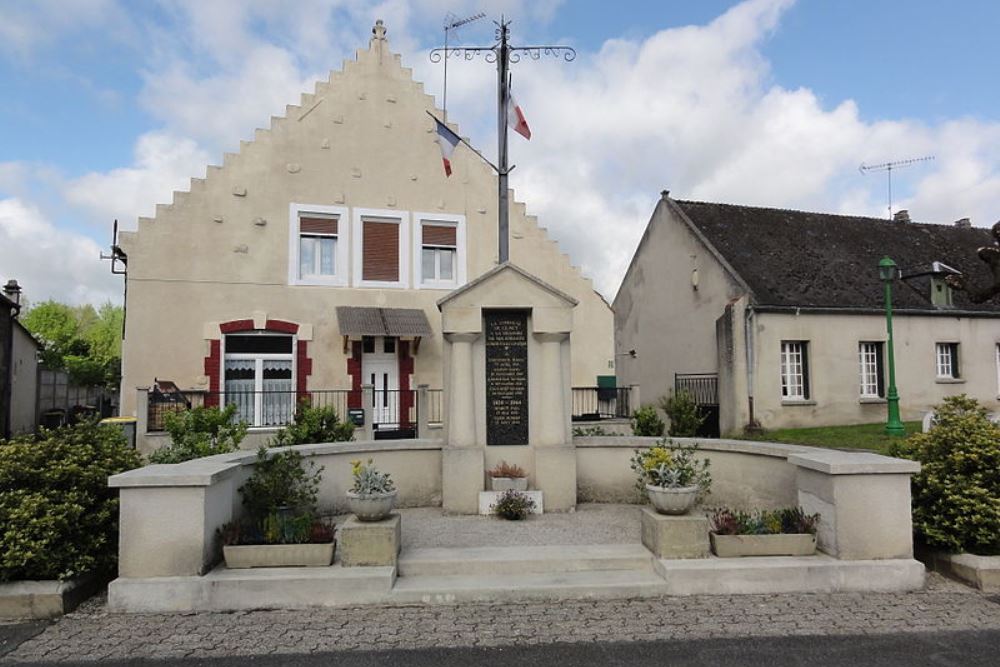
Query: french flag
x=447, y=140
x=515, y=118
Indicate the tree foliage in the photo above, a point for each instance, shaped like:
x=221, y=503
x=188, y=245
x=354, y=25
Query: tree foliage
x=82, y=340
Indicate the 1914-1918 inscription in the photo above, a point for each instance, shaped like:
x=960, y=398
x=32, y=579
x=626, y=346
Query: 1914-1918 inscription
x=506, y=377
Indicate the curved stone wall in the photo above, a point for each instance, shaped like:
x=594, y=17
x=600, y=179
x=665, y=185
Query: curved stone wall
x=744, y=473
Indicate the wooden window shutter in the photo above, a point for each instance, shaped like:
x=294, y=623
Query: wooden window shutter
x=317, y=225
x=380, y=251
x=439, y=235
x=805, y=369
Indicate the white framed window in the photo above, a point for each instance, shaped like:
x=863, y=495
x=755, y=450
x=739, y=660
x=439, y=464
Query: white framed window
x=258, y=376
x=946, y=357
x=318, y=244
x=871, y=371
x=794, y=370
x=381, y=247
x=439, y=251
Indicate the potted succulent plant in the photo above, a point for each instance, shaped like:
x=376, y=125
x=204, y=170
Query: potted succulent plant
x=504, y=476
x=788, y=531
x=280, y=527
x=373, y=495
x=670, y=475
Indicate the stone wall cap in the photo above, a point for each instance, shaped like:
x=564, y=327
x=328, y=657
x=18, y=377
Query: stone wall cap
x=838, y=462
x=756, y=447
x=211, y=469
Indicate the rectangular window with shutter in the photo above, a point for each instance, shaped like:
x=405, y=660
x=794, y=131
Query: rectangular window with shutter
x=947, y=361
x=318, y=245
x=381, y=247
x=438, y=252
x=871, y=374
x=794, y=370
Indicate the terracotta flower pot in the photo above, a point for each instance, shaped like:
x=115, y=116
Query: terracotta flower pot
x=672, y=501
x=373, y=507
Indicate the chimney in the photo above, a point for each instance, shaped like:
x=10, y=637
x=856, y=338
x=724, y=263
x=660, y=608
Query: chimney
x=12, y=291
x=964, y=223
x=901, y=216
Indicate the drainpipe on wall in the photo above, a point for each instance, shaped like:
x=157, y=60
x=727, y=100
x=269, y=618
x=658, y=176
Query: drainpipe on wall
x=749, y=342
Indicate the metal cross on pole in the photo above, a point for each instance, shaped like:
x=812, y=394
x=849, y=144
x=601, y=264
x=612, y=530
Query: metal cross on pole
x=503, y=54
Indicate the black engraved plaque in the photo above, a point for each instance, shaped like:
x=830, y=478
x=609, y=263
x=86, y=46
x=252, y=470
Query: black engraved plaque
x=506, y=377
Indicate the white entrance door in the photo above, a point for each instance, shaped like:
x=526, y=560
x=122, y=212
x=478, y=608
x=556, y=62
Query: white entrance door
x=380, y=367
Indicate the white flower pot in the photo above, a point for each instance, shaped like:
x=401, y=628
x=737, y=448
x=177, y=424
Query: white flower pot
x=507, y=483
x=672, y=501
x=373, y=507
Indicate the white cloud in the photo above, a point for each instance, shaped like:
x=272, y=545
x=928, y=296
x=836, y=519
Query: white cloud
x=51, y=263
x=163, y=163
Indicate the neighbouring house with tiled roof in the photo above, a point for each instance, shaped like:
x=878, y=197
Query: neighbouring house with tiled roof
x=310, y=263
x=778, y=316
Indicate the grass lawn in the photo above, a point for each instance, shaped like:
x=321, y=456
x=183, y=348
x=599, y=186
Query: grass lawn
x=859, y=436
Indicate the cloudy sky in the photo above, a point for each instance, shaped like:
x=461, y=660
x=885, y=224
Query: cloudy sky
x=109, y=105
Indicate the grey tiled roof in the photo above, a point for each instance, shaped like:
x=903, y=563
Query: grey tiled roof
x=804, y=259
x=373, y=321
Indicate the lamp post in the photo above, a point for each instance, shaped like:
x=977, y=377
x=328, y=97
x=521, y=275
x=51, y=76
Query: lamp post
x=888, y=271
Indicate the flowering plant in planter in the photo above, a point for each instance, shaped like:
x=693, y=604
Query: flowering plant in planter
x=787, y=531
x=281, y=527
x=373, y=494
x=513, y=505
x=504, y=476
x=671, y=475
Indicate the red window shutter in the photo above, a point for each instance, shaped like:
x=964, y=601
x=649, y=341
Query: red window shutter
x=380, y=250
x=438, y=235
x=317, y=225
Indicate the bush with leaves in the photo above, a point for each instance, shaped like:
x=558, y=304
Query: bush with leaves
x=956, y=494
x=58, y=518
x=685, y=417
x=513, y=505
x=646, y=422
x=313, y=425
x=200, y=432
x=281, y=481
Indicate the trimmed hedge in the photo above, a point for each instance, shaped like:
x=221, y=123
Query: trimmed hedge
x=58, y=518
x=956, y=495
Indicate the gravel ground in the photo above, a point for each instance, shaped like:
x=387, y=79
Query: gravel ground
x=589, y=524
x=91, y=633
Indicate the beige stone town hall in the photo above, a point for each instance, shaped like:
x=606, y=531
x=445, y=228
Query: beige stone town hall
x=313, y=258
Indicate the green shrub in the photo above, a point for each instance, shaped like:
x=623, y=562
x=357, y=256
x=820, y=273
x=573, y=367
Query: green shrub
x=513, y=505
x=314, y=425
x=284, y=480
x=200, y=432
x=685, y=417
x=646, y=422
x=58, y=518
x=956, y=495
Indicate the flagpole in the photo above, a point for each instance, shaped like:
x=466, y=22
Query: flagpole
x=503, y=205
x=470, y=146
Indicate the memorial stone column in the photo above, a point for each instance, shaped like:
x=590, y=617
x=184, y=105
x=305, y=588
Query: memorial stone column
x=552, y=425
x=461, y=392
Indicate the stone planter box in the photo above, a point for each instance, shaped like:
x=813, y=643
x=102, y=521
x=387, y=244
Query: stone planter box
x=278, y=555
x=785, y=544
x=373, y=507
x=672, y=501
x=507, y=483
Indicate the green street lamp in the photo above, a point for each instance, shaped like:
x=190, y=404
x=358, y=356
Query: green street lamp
x=888, y=271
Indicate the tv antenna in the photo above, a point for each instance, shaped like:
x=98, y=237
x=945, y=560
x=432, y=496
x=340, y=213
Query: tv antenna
x=452, y=22
x=119, y=260
x=887, y=167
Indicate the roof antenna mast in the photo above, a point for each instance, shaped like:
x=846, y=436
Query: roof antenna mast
x=452, y=22
x=887, y=167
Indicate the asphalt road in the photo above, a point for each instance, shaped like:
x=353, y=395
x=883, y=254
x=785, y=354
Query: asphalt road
x=965, y=649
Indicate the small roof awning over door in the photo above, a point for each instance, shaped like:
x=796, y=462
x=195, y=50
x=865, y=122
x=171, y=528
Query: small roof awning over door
x=372, y=321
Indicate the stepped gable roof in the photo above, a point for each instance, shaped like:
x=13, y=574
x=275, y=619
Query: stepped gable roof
x=821, y=260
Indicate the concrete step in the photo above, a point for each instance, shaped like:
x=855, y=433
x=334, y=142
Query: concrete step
x=521, y=560
x=605, y=584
